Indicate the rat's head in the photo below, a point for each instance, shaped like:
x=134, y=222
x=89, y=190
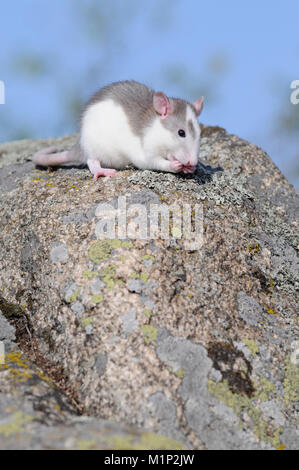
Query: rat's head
x=179, y=131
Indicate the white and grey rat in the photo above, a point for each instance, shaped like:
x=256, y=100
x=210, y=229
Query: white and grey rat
x=127, y=123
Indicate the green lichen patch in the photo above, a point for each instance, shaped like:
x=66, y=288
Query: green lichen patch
x=142, y=276
x=90, y=274
x=108, y=276
x=264, y=389
x=86, y=321
x=73, y=297
x=97, y=298
x=268, y=433
x=15, y=424
x=222, y=391
x=291, y=382
x=102, y=249
x=148, y=313
x=242, y=403
x=86, y=445
x=252, y=346
x=150, y=334
x=147, y=441
x=180, y=373
x=148, y=258
x=127, y=244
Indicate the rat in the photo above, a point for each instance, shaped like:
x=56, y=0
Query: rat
x=127, y=123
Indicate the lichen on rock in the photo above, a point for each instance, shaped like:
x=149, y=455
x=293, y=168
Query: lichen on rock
x=191, y=345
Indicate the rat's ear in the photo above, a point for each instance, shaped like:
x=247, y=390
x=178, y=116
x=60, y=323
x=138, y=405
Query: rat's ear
x=198, y=105
x=162, y=104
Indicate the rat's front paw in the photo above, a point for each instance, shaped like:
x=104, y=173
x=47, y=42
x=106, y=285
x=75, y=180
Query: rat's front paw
x=189, y=169
x=176, y=166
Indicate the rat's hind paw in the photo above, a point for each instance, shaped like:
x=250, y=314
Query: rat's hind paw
x=104, y=172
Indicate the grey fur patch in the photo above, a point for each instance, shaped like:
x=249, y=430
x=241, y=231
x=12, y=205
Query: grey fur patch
x=177, y=120
x=136, y=100
x=191, y=129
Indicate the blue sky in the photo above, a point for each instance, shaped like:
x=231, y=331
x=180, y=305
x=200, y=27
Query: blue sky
x=258, y=39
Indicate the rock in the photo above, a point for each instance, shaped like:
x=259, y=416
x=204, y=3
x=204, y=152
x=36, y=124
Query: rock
x=196, y=342
x=34, y=414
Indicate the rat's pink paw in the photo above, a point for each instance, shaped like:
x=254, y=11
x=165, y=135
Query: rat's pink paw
x=176, y=166
x=104, y=172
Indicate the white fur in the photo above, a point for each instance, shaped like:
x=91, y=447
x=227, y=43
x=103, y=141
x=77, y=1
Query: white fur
x=106, y=136
x=193, y=145
x=157, y=140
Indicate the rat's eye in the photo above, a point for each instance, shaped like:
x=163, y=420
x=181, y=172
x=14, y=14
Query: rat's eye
x=182, y=133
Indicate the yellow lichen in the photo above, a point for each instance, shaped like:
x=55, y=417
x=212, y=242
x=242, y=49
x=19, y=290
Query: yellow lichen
x=148, y=313
x=97, y=298
x=108, y=275
x=86, y=445
x=147, y=441
x=239, y=403
x=253, y=248
x=148, y=257
x=150, y=333
x=291, y=382
x=102, y=249
x=20, y=370
x=15, y=424
x=142, y=276
x=90, y=274
x=86, y=321
x=282, y=447
x=73, y=297
x=180, y=373
x=252, y=346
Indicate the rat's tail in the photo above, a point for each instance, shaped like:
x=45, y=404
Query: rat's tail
x=50, y=157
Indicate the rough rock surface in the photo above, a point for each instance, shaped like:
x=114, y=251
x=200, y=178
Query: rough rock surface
x=199, y=345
